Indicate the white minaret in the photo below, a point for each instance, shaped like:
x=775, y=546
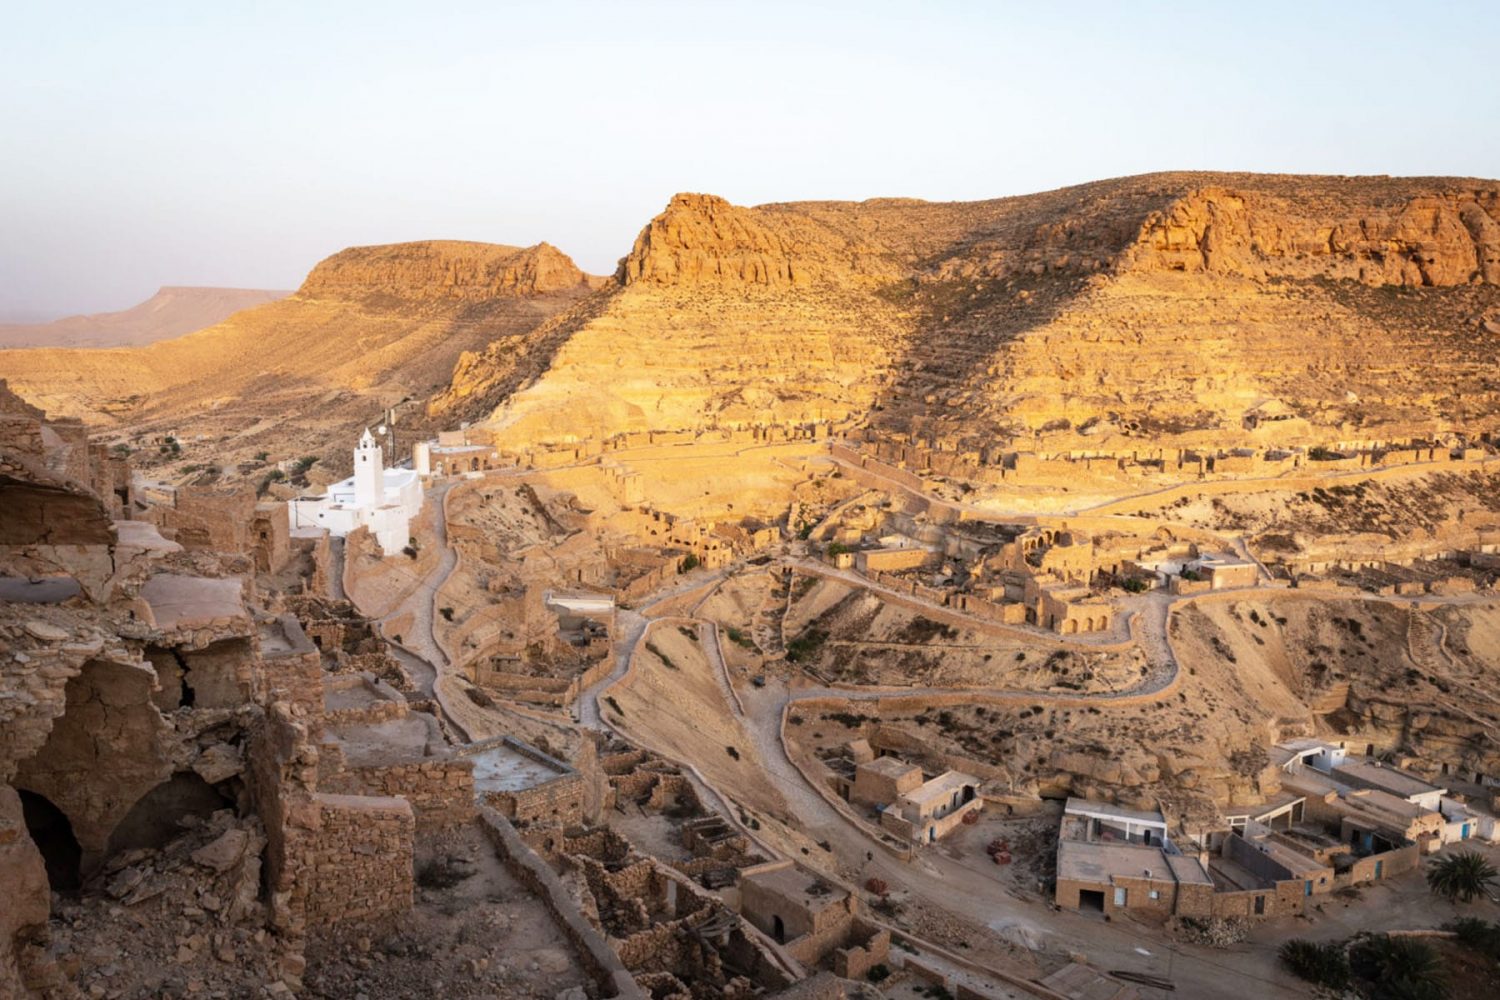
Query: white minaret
x=369, y=472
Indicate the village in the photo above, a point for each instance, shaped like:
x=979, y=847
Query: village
x=635, y=709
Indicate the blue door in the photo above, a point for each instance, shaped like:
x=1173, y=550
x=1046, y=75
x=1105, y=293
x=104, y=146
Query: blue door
x=1379, y=865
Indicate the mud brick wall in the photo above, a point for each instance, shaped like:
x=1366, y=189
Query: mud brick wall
x=440, y=789
x=361, y=859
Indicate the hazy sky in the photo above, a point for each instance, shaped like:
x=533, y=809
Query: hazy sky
x=237, y=143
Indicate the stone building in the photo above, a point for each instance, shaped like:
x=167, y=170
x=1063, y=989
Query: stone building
x=931, y=810
x=815, y=920
x=381, y=499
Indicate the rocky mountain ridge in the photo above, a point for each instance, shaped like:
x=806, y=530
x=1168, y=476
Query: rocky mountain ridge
x=1146, y=311
x=371, y=327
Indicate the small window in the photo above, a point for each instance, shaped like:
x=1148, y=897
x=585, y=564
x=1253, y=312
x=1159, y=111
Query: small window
x=1155, y=894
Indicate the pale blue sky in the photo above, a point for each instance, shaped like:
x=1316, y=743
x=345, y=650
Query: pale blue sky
x=235, y=143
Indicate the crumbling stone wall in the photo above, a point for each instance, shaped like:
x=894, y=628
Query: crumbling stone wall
x=24, y=914
x=208, y=518
x=361, y=858
x=109, y=748
x=282, y=773
x=557, y=802
x=270, y=537
x=294, y=675
x=440, y=789
x=865, y=947
x=600, y=960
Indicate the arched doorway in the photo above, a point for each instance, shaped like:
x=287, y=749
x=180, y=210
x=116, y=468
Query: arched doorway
x=52, y=833
x=153, y=820
x=778, y=930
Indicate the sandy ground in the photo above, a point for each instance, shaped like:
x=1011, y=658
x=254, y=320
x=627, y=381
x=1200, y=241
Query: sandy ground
x=474, y=932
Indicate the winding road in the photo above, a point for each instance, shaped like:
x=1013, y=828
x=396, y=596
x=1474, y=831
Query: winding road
x=931, y=878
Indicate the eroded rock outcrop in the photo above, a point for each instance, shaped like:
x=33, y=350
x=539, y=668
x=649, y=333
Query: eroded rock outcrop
x=1153, y=311
x=444, y=269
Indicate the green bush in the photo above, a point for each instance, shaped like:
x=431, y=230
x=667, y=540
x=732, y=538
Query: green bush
x=1134, y=585
x=655, y=651
x=1324, y=964
x=689, y=562
x=1477, y=935
x=806, y=645
x=739, y=638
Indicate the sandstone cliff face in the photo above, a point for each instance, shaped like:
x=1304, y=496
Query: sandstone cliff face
x=1447, y=238
x=704, y=240
x=1154, y=310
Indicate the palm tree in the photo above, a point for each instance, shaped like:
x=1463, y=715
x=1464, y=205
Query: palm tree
x=1399, y=968
x=1462, y=876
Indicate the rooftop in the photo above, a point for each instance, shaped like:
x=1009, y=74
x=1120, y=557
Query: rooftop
x=941, y=787
x=1386, y=778
x=509, y=766
x=1106, y=810
x=1376, y=800
x=1221, y=559
x=1286, y=751
x=1094, y=862
x=890, y=767
x=193, y=601
x=1294, y=861
x=793, y=883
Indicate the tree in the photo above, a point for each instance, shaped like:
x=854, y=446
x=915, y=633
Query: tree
x=1462, y=876
x=1399, y=968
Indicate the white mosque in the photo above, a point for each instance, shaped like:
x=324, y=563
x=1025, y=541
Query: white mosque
x=383, y=500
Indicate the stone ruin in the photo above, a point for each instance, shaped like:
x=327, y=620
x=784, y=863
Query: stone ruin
x=178, y=769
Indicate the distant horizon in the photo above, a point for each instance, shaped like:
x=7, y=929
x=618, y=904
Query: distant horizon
x=236, y=148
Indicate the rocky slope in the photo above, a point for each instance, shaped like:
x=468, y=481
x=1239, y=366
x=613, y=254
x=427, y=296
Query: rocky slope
x=1148, y=310
x=171, y=312
x=369, y=328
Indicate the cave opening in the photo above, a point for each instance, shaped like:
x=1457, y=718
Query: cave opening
x=157, y=817
x=52, y=833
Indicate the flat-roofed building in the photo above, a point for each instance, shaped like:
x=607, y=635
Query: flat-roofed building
x=929, y=811
x=1382, y=777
